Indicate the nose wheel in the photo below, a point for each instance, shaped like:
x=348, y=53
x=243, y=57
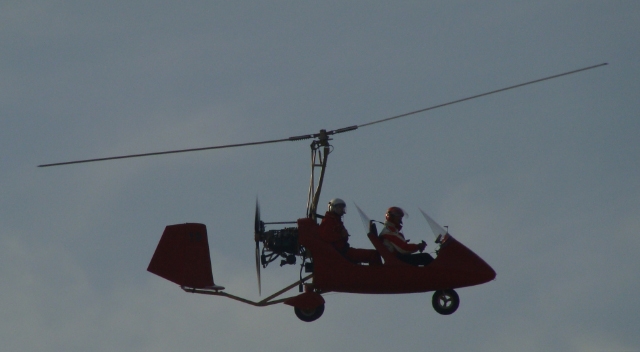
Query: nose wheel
x=445, y=302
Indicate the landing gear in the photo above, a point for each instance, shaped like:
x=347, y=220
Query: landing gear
x=309, y=315
x=445, y=302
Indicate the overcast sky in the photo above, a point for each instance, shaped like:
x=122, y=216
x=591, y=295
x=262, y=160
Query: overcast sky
x=543, y=182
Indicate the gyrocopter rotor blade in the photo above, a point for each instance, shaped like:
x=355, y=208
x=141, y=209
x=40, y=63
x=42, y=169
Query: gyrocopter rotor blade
x=168, y=152
x=323, y=134
x=258, y=231
x=480, y=95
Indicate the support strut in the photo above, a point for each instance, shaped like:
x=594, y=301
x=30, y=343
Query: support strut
x=265, y=302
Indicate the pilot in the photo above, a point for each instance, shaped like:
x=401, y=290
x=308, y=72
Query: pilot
x=332, y=230
x=394, y=240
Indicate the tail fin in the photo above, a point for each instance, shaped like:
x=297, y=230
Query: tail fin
x=182, y=256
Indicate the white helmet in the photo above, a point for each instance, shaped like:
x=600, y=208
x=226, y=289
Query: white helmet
x=338, y=206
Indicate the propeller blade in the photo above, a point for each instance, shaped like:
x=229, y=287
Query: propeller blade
x=366, y=222
x=437, y=229
x=258, y=268
x=256, y=224
x=258, y=228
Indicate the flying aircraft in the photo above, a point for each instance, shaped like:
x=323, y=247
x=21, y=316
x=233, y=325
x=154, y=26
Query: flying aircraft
x=182, y=255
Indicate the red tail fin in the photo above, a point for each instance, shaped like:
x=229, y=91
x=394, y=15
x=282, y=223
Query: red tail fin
x=182, y=256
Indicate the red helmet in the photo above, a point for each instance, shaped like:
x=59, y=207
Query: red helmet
x=394, y=215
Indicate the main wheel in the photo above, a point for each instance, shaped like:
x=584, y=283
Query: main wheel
x=445, y=302
x=309, y=315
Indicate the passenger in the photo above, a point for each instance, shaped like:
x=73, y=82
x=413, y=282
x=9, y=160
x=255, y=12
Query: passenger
x=394, y=240
x=332, y=231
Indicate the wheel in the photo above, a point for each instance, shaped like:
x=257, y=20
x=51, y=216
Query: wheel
x=445, y=302
x=309, y=315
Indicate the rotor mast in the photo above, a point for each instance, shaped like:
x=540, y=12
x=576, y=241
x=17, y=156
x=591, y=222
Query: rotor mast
x=320, y=149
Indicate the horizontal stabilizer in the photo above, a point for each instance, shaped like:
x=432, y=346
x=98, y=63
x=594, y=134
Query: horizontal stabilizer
x=182, y=256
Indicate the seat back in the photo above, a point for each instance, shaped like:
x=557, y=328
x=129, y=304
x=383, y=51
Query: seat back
x=389, y=258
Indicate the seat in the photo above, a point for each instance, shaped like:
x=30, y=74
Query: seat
x=389, y=258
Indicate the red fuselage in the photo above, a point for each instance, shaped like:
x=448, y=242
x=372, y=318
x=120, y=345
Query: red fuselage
x=455, y=266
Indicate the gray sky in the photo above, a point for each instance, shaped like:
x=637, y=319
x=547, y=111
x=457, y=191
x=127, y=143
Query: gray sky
x=543, y=182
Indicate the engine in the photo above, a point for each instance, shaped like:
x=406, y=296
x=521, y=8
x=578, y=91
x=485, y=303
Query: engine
x=280, y=243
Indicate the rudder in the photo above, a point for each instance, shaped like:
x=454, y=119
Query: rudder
x=182, y=256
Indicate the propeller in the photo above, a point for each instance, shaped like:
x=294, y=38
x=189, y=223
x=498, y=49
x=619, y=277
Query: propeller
x=323, y=134
x=258, y=231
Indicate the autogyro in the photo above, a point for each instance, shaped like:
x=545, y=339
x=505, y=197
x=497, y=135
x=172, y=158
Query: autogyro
x=182, y=255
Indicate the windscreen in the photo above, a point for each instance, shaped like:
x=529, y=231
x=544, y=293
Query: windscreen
x=365, y=219
x=437, y=229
